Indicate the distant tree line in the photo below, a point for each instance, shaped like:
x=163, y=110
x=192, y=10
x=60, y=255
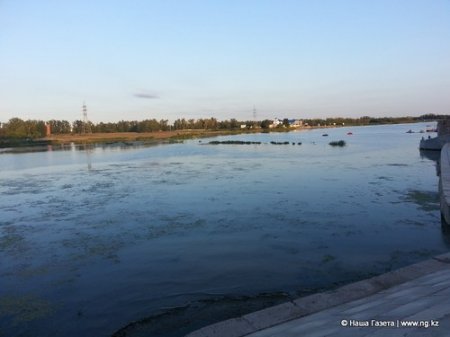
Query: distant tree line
x=367, y=120
x=18, y=128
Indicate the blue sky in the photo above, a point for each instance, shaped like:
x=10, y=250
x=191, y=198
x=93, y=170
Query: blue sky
x=194, y=58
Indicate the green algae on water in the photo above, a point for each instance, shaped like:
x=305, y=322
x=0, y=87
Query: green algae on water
x=25, y=308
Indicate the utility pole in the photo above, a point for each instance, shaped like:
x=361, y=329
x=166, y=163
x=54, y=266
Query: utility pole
x=86, y=127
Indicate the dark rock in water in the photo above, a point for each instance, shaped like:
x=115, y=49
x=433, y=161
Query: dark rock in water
x=279, y=143
x=232, y=142
x=339, y=143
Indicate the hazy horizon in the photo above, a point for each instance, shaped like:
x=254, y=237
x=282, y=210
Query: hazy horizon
x=201, y=59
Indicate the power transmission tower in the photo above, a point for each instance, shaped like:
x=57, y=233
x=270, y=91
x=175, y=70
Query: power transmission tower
x=86, y=127
x=254, y=114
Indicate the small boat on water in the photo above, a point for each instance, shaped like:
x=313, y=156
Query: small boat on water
x=325, y=135
x=410, y=131
x=349, y=133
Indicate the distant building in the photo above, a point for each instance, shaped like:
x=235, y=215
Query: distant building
x=275, y=123
x=295, y=123
x=48, y=130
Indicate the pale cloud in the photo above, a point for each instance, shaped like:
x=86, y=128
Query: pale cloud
x=146, y=94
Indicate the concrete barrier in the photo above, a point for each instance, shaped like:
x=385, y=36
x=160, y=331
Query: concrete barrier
x=444, y=182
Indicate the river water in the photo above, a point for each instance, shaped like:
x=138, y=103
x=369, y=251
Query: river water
x=176, y=236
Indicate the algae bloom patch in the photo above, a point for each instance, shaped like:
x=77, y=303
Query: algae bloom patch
x=25, y=308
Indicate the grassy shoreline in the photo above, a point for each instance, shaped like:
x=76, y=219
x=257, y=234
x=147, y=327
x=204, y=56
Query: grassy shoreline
x=150, y=137
x=157, y=137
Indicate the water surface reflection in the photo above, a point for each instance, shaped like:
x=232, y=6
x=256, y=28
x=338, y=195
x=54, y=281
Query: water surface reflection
x=93, y=238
